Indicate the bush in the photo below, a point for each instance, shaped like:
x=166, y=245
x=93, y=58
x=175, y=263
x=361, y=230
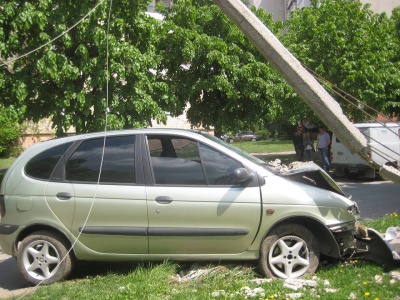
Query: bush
x=265, y=134
x=10, y=131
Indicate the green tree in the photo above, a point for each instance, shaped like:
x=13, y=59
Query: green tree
x=351, y=47
x=392, y=106
x=215, y=71
x=67, y=79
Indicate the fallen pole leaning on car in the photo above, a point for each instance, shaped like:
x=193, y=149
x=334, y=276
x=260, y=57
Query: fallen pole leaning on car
x=319, y=100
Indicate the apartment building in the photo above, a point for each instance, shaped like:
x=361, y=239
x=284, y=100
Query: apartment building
x=152, y=4
x=281, y=9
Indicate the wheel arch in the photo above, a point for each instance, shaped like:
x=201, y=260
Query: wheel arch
x=326, y=241
x=40, y=227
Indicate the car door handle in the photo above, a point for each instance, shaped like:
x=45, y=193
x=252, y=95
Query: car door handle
x=63, y=196
x=163, y=200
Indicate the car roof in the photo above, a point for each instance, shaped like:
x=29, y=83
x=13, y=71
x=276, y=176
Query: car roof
x=370, y=125
x=130, y=131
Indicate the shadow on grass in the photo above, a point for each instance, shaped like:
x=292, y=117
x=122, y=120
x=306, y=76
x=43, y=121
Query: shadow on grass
x=84, y=269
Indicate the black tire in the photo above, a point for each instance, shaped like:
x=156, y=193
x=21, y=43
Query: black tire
x=43, y=258
x=289, y=251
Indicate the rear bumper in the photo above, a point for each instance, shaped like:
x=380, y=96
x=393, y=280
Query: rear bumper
x=8, y=229
x=358, y=167
x=8, y=235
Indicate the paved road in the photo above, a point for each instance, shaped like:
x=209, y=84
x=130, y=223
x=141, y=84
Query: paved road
x=12, y=284
x=374, y=198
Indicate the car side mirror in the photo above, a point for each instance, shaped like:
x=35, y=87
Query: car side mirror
x=242, y=175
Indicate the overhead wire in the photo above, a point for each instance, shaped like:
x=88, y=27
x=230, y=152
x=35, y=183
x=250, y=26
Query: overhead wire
x=339, y=92
x=104, y=139
x=334, y=88
x=11, y=60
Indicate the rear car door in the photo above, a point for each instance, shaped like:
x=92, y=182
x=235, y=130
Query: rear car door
x=109, y=205
x=194, y=205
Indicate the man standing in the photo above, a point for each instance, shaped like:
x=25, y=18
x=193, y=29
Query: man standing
x=323, y=142
x=298, y=143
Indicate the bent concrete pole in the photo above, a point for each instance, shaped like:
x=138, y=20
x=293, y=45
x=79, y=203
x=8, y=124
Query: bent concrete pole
x=320, y=101
x=312, y=93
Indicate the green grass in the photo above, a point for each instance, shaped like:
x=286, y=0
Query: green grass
x=6, y=162
x=160, y=281
x=265, y=146
x=390, y=220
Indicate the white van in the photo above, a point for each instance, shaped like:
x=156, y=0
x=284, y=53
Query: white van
x=384, y=146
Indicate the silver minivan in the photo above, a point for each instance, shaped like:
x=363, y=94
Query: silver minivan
x=155, y=194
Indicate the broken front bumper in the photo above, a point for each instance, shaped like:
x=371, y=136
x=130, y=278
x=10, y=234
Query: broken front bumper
x=371, y=245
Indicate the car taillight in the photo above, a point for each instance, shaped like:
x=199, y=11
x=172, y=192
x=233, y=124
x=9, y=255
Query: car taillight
x=2, y=206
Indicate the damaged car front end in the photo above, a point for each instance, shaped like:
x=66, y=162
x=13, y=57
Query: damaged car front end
x=354, y=240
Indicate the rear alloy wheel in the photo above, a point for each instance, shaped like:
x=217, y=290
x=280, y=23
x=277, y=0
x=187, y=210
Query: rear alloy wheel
x=43, y=258
x=289, y=251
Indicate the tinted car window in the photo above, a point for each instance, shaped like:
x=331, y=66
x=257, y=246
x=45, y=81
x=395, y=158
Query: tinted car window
x=175, y=161
x=219, y=167
x=118, y=163
x=42, y=165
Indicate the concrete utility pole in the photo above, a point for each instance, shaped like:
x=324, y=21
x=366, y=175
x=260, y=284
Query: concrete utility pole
x=319, y=100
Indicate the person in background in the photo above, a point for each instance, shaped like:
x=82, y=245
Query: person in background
x=298, y=143
x=323, y=142
x=308, y=147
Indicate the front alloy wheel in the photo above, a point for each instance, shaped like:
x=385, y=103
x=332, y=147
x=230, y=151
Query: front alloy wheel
x=43, y=258
x=289, y=251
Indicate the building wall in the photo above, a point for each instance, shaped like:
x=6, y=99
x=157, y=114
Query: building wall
x=380, y=6
x=276, y=7
x=280, y=9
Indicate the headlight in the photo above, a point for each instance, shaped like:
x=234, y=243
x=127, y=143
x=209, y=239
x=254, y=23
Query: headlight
x=353, y=209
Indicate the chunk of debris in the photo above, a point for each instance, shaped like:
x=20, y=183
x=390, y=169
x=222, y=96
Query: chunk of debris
x=248, y=292
x=296, y=284
x=378, y=279
x=194, y=274
x=216, y=294
x=395, y=275
x=294, y=295
x=260, y=281
x=352, y=296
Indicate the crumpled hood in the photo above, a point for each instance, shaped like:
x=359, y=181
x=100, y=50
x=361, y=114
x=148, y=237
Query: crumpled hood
x=307, y=173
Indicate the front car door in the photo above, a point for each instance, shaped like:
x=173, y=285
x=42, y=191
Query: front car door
x=194, y=205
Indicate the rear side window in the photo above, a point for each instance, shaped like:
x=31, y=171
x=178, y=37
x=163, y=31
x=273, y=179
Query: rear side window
x=118, y=165
x=43, y=164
